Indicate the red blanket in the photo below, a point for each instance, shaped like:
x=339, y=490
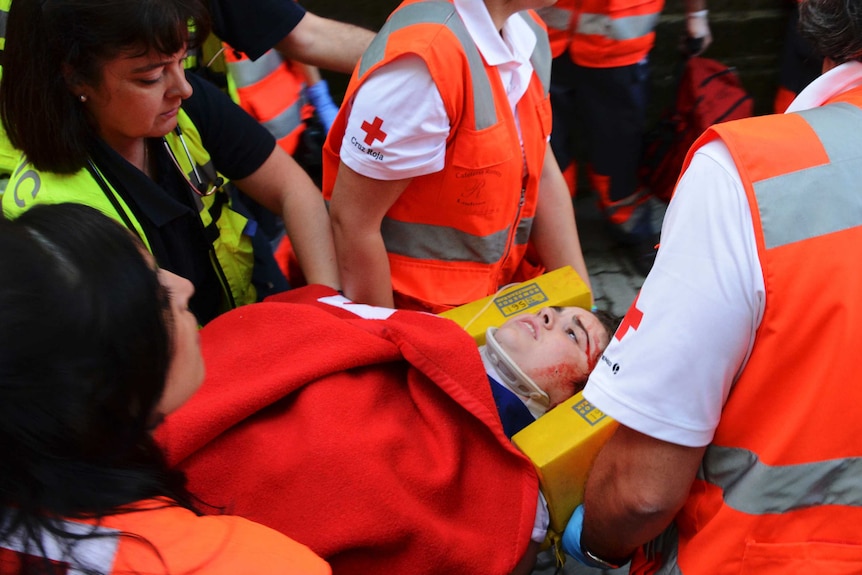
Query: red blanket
x=374, y=442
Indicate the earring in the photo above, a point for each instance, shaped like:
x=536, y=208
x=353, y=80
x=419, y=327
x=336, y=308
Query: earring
x=83, y=98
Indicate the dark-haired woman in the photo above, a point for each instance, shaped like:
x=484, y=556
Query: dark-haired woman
x=96, y=346
x=95, y=95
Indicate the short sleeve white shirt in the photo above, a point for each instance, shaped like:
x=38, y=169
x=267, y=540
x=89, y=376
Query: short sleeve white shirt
x=397, y=123
x=691, y=328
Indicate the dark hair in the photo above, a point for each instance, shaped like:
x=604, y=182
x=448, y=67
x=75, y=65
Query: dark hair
x=50, y=42
x=609, y=321
x=834, y=28
x=84, y=353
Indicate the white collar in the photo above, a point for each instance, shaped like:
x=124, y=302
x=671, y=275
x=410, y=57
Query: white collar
x=836, y=81
x=519, y=37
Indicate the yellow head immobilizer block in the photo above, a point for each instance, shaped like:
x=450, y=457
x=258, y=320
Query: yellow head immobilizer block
x=562, y=287
x=562, y=443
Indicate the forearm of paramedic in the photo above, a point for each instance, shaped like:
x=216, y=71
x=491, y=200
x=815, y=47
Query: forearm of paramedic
x=284, y=188
x=357, y=207
x=635, y=488
x=326, y=43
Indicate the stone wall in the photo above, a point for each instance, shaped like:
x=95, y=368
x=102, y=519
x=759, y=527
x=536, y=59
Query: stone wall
x=748, y=35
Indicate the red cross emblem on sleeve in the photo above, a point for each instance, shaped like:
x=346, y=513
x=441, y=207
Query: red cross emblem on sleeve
x=631, y=321
x=373, y=131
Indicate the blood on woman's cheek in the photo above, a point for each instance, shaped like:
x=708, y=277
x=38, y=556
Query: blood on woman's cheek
x=561, y=380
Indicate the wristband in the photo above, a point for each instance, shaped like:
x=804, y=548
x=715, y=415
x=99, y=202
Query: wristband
x=598, y=562
x=573, y=545
x=697, y=29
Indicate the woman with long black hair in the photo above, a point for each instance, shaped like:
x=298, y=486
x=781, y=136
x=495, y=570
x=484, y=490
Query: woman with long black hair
x=97, y=345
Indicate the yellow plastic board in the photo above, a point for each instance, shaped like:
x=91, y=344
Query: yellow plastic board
x=561, y=287
x=562, y=444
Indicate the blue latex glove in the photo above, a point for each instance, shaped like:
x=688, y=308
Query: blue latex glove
x=318, y=95
x=572, y=537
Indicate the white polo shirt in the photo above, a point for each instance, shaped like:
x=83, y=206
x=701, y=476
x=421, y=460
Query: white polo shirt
x=414, y=120
x=699, y=308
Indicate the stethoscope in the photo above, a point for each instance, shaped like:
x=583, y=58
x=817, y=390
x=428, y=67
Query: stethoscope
x=199, y=187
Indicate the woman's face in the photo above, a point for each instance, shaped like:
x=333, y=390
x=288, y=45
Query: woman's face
x=186, y=370
x=556, y=347
x=139, y=97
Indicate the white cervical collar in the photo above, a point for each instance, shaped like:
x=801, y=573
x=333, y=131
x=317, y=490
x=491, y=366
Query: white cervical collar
x=512, y=377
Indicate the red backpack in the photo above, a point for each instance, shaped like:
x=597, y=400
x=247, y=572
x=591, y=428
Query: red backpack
x=708, y=93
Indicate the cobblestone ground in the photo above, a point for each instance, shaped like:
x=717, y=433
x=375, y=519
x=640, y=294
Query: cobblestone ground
x=614, y=280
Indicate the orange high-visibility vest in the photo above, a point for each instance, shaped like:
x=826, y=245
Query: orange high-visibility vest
x=156, y=537
x=460, y=234
x=780, y=487
x=611, y=34
x=559, y=21
x=271, y=89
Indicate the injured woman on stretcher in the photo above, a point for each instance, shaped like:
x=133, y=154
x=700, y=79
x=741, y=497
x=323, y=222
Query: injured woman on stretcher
x=372, y=435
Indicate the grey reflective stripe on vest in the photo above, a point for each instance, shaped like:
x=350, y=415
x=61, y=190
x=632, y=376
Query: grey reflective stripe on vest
x=755, y=488
x=287, y=121
x=666, y=547
x=670, y=561
x=245, y=72
x=443, y=243
x=627, y=28
x=541, y=56
x=443, y=13
x=556, y=18
x=822, y=199
x=522, y=234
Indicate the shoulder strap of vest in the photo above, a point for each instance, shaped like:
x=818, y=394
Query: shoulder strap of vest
x=442, y=13
x=541, y=56
x=109, y=193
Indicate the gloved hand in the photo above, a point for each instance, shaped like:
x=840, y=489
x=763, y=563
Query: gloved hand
x=572, y=537
x=318, y=95
x=698, y=35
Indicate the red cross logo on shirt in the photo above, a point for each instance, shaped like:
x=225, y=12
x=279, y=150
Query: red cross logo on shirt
x=373, y=130
x=631, y=321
